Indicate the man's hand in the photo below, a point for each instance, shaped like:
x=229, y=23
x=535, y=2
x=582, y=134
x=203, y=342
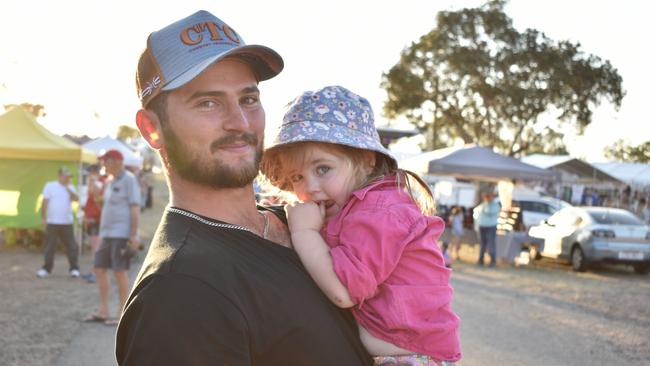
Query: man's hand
x=134, y=242
x=305, y=216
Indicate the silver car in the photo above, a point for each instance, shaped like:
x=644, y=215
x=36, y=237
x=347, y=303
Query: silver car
x=585, y=235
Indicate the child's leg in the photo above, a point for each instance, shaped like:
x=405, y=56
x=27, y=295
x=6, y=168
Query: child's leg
x=410, y=360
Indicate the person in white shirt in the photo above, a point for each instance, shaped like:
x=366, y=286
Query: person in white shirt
x=56, y=216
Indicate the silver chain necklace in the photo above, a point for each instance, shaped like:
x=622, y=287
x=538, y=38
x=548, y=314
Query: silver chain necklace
x=265, y=231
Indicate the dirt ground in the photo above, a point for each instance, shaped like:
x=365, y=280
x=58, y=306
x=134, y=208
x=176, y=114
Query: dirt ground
x=39, y=317
x=547, y=314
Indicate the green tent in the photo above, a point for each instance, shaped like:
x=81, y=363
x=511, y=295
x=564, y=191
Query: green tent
x=30, y=156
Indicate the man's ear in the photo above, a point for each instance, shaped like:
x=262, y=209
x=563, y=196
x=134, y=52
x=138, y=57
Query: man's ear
x=149, y=126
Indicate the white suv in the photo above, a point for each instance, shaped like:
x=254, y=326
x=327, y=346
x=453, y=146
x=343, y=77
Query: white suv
x=535, y=209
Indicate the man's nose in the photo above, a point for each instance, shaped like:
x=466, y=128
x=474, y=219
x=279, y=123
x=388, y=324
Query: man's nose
x=237, y=119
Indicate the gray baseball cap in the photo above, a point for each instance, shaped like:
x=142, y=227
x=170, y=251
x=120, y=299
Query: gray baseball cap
x=179, y=52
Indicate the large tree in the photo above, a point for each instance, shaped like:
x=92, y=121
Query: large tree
x=126, y=133
x=38, y=110
x=623, y=150
x=477, y=78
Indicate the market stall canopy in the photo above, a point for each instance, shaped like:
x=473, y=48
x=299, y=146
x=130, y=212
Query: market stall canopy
x=576, y=167
x=475, y=162
x=634, y=174
x=22, y=137
x=103, y=144
x=30, y=156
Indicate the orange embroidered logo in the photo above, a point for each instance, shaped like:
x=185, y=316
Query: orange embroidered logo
x=194, y=35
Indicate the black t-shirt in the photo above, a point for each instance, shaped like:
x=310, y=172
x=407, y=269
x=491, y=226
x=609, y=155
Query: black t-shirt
x=210, y=295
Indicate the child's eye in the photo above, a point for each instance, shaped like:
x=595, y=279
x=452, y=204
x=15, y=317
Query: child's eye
x=322, y=169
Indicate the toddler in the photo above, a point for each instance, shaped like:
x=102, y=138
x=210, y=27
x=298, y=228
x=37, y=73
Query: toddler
x=359, y=230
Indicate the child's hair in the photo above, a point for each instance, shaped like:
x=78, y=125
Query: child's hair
x=276, y=161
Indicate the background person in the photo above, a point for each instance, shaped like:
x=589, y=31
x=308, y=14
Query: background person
x=92, y=212
x=56, y=216
x=220, y=284
x=118, y=230
x=456, y=220
x=487, y=216
x=378, y=253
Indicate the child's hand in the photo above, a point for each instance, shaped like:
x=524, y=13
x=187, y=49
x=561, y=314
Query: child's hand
x=305, y=216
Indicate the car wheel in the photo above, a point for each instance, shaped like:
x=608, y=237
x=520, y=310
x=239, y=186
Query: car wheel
x=578, y=260
x=642, y=268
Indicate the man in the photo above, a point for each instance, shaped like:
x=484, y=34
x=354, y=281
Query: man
x=488, y=215
x=118, y=231
x=220, y=284
x=56, y=216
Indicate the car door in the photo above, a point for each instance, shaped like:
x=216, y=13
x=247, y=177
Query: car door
x=573, y=232
x=561, y=226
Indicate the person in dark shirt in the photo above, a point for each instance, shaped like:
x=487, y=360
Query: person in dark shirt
x=220, y=284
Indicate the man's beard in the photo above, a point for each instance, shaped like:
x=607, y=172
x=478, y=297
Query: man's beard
x=203, y=169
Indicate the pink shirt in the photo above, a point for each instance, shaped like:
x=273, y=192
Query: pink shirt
x=385, y=253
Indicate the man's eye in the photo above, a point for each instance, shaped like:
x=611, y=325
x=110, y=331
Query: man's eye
x=206, y=104
x=249, y=100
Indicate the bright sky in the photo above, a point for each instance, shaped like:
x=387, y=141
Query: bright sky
x=78, y=58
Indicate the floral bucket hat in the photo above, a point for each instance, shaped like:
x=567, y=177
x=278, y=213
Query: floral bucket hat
x=334, y=115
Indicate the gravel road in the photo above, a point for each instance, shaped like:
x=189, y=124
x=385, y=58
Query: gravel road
x=544, y=314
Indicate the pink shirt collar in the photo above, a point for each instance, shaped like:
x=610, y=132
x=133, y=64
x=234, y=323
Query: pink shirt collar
x=361, y=192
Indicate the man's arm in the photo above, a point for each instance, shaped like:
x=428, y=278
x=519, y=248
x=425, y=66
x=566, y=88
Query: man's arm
x=74, y=197
x=44, y=211
x=134, y=205
x=133, y=235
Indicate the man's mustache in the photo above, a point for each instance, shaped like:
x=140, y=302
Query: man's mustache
x=249, y=138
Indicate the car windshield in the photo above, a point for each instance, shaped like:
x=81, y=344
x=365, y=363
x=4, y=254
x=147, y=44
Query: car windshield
x=536, y=207
x=614, y=218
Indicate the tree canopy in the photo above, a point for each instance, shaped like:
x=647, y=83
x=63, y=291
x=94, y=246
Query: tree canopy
x=38, y=110
x=475, y=77
x=622, y=150
x=126, y=133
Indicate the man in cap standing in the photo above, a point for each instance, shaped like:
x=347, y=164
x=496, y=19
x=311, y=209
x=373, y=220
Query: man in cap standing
x=118, y=231
x=220, y=284
x=56, y=216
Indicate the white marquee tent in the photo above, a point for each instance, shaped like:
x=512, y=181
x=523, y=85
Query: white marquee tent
x=101, y=145
x=634, y=174
x=572, y=170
